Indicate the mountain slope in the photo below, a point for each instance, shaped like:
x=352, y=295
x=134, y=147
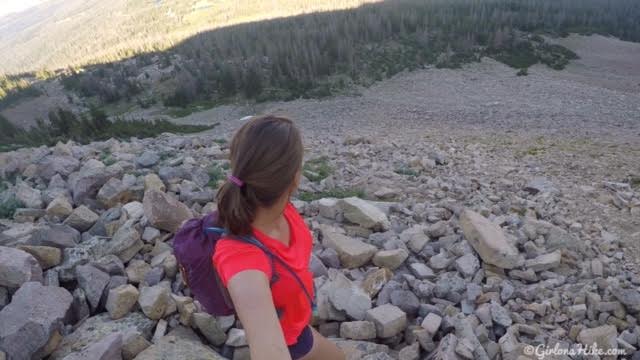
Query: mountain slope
x=60, y=33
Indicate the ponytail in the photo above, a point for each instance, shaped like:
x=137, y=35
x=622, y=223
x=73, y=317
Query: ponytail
x=266, y=154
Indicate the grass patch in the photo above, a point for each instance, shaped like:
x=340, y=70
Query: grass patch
x=634, y=181
x=522, y=72
x=216, y=173
x=332, y=193
x=406, y=171
x=107, y=158
x=182, y=111
x=317, y=169
x=8, y=207
x=220, y=141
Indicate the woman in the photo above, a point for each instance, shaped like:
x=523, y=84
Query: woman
x=275, y=311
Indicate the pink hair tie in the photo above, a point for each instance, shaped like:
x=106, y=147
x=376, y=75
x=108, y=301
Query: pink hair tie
x=235, y=180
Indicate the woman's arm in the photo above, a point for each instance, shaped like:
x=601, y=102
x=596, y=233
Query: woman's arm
x=252, y=299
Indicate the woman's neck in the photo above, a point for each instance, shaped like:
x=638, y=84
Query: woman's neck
x=267, y=219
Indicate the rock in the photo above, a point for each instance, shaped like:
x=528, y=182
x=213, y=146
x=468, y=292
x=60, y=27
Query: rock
x=489, y=241
x=431, y=323
x=390, y=259
x=375, y=280
x=544, y=262
x=406, y=301
x=49, y=166
x=358, y=330
x=346, y=296
x=467, y=265
x=150, y=234
x=540, y=185
x=30, y=197
x=604, y=337
x=330, y=258
x=121, y=300
x=93, y=282
x=421, y=271
x=317, y=267
x=56, y=235
x=110, y=264
x=629, y=297
x=80, y=307
x=109, y=348
x=329, y=208
x=134, y=210
x=153, y=182
x=180, y=343
x=357, y=350
x=440, y=261
x=446, y=349
x=154, y=301
x=114, y=192
x=164, y=212
x=18, y=267
x=125, y=244
x=415, y=238
x=137, y=270
x=411, y=352
x=133, y=344
x=147, y=159
x=35, y=313
x=388, y=319
x=237, y=338
x=97, y=327
x=160, y=331
x=500, y=315
x=209, y=328
x=60, y=207
x=353, y=253
x=81, y=219
x=365, y=214
x=85, y=183
x=47, y=256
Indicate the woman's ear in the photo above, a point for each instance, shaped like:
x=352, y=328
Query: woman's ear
x=296, y=182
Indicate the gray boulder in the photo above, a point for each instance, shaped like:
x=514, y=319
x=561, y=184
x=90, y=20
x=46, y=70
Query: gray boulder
x=35, y=313
x=18, y=267
x=180, y=343
x=97, y=327
x=164, y=212
x=109, y=348
x=93, y=282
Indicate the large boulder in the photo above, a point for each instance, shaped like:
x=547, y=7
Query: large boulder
x=49, y=166
x=164, y=212
x=154, y=301
x=35, y=314
x=489, y=241
x=121, y=300
x=352, y=252
x=93, y=282
x=365, y=214
x=30, y=197
x=95, y=328
x=180, y=343
x=388, y=319
x=81, y=219
x=113, y=192
x=18, y=267
x=92, y=176
x=347, y=296
x=125, y=244
x=108, y=348
x=56, y=235
x=47, y=256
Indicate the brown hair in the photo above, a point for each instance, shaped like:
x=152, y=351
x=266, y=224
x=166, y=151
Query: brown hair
x=266, y=154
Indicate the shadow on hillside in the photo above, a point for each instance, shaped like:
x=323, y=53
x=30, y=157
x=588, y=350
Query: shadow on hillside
x=324, y=53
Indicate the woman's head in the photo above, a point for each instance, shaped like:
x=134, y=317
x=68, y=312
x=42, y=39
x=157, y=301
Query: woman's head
x=266, y=155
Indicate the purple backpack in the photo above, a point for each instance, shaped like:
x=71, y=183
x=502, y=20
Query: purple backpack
x=194, y=245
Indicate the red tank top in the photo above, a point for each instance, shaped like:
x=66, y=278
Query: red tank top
x=232, y=257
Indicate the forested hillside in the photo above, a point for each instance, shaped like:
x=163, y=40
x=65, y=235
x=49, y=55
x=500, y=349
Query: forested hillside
x=318, y=54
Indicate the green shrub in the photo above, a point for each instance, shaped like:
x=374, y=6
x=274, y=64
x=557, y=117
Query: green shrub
x=317, y=169
x=64, y=125
x=522, y=72
x=332, y=193
x=8, y=207
x=216, y=173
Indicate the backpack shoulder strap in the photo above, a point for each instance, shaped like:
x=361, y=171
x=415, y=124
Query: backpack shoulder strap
x=252, y=240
